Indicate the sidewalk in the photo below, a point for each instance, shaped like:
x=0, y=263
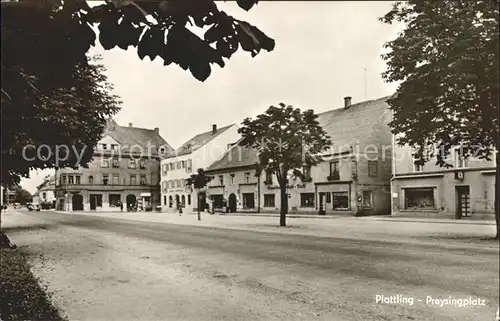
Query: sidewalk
x=445, y=233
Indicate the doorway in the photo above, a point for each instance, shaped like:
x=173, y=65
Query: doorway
x=77, y=202
x=232, y=203
x=463, y=201
x=131, y=200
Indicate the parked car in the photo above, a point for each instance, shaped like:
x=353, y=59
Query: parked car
x=34, y=207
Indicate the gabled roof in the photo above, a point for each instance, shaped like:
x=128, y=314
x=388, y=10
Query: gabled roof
x=343, y=125
x=48, y=184
x=236, y=156
x=198, y=141
x=134, y=136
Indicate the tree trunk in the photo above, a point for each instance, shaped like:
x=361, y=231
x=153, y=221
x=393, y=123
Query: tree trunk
x=497, y=199
x=199, y=201
x=284, y=204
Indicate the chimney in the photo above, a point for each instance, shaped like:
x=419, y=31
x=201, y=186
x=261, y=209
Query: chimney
x=157, y=130
x=347, y=102
x=214, y=129
x=129, y=124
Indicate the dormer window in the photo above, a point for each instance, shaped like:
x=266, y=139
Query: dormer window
x=104, y=146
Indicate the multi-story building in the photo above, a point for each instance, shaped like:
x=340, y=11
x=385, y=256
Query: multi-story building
x=45, y=194
x=353, y=178
x=466, y=190
x=198, y=152
x=125, y=170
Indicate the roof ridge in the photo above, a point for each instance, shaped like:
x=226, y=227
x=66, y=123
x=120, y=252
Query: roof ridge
x=356, y=104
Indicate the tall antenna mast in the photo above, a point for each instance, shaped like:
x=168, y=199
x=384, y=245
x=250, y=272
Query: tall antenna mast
x=366, y=86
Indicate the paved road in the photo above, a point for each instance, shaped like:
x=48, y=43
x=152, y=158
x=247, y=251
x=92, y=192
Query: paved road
x=110, y=269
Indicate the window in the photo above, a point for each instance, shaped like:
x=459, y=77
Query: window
x=269, y=200
x=334, y=170
x=189, y=165
x=44, y=195
x=170, y=201
x=328, y=197
x=114, y=200
x=340, y=200
x=367, y=198
x=269, y=177
x=231, y=179
x=306, y=199
x=104, y=146
x=131, y=163
x=306, y=171
x=183, y=164
x=165, y=169
x=179, y=165
x=171, y=165
x=460, y=158
x=372, y=168
x=247, y=177
x=142, y=163
x=91, y=179
x=248, y=200
x=105, y=178
x=71, y=179
x=116, y=179
x=419, y=198
x=116, y=162
x=143, y=179
x=77, y=180
x=63, y=179
x=133, y=180
x=114, y=147
x=105, y=163
x=221, y=180
x=165, y=200
x=189, y=199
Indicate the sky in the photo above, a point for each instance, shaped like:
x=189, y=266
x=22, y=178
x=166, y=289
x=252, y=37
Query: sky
x=325, y=50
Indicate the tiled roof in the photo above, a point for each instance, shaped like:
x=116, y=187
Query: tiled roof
x=198, y=141
x=48, y=184
x=236, y=156
x=343, y=125
x=134, y=136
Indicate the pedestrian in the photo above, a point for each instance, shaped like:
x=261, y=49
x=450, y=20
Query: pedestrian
x=121, y=206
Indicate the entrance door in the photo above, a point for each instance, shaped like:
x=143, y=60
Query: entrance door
x=93, y=202
x=463, y=201
x=232, y=203
x=77, y=202
x=322, y=203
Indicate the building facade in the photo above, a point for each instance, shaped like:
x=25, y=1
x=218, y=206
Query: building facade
x=124, y=173
x=45, y=195
x=198, y=152
x=354, y=177
x=466, y=190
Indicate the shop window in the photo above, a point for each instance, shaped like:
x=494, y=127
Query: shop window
x=419, y=198
x=114, y=200
x=306, y=199
x=340, y=200
x=269, y=200
x=367, y=198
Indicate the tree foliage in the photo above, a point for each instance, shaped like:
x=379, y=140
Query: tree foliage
x=198, y=180
x=161, y=29
x=287, y=140
x=447, y=62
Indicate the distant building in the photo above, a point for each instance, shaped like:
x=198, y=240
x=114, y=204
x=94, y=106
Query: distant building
x=45, y=194
x=353, y=179
x=467, y=190
x=125, y=170
x=198, y=152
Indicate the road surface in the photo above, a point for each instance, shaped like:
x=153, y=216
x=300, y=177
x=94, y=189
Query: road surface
x=103, y=268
